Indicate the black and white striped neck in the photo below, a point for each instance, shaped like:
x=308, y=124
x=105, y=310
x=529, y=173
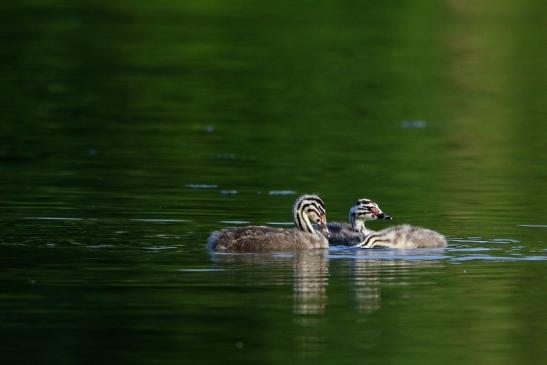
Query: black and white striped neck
x=358, y=225
x=303, y=207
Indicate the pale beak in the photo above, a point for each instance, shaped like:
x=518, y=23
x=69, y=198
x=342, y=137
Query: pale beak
x=323, y=227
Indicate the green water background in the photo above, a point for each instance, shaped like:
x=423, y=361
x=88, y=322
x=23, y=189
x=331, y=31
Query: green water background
x=130, y=130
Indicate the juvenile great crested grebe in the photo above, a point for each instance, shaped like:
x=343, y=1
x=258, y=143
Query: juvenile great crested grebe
x=355, y=231
x=403, y=236
x=307, y=210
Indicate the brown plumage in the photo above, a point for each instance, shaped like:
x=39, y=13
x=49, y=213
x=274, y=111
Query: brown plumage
x=262, y=238
x=307, y=209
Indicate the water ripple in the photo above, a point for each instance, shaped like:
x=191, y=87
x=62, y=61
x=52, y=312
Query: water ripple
x=158, y=220
x=281, y=192
x=56, y=218
x=234, y=222
x=201, y=186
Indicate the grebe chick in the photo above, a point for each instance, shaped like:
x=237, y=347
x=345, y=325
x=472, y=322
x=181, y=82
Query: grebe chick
x=307, y=210
x=355, y=232
x=402, y=236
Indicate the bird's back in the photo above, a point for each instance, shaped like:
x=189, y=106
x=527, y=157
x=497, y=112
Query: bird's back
x=262, y=238
x=342, y=234
x=407, y=236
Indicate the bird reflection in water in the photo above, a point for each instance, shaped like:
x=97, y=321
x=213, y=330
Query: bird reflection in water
x=365, y=278
x=311, y=277
x=310, y=274
x=368, y=272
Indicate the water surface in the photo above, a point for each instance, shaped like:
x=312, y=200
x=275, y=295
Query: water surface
x=131, y=130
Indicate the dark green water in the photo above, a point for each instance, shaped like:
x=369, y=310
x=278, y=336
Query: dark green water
x=130, y=130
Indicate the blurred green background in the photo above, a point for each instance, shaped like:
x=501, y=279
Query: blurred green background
x=131, y=129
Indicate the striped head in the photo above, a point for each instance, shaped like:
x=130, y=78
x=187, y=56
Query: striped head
x=365, y=210
x=309, y=210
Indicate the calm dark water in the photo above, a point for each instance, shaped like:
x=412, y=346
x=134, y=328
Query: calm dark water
x=130, y=130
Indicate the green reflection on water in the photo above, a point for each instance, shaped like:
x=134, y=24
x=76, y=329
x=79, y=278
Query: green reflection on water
x=114, y=111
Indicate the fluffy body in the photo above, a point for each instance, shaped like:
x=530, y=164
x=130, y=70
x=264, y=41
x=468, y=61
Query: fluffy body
x=404, y=236
x=262, y=238
x=355, y=231
x=307, y=211
x=343, y=234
